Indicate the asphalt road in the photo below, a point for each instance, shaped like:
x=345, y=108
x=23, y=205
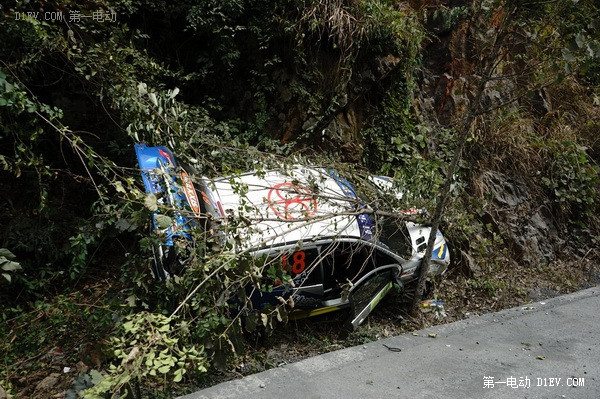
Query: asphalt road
x=547, y=349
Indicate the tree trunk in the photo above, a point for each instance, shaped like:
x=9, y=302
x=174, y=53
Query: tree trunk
x=463, y=132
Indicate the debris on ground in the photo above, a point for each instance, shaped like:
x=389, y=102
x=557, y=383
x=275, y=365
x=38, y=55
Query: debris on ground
x=434, y=305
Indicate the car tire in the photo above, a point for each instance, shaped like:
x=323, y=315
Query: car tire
x=411, y=288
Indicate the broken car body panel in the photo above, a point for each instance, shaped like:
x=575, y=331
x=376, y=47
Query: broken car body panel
x=307, y=221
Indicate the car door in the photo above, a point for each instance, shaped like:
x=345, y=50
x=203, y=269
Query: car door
x=367, y=292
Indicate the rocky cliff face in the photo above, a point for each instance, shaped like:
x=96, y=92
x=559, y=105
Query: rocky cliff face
x=513, y=159
x=526, y=225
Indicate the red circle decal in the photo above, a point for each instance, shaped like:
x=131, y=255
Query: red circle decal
x=290, y=201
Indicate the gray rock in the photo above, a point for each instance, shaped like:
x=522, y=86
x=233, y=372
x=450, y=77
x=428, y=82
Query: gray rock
x=309, y=123
x=504, y=190
x=47, y=382
x=525, y=226
x=538, y=222
x=469, y=265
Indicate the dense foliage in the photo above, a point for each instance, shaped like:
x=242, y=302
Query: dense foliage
x=232, y=84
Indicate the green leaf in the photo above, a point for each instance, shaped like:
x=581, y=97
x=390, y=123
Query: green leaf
x=174, y=93
x=142, y=89
x=164, y=369
x=162, y=221
x=7, y=277
x=131, y=300
x=580, y=40
x=251, y=322
x=567, y=55
x=119, y=187
x=10, y=266
x=124, y=225
x=151, y=202
x=178, y=375
x=153, y=99
x=7, y=254
x=97, y=378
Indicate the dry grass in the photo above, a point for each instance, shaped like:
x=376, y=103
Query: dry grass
x=524, y=145
x=335, y=21
x=575, y=117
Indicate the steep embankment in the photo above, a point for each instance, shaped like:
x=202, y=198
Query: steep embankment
x=370, y=86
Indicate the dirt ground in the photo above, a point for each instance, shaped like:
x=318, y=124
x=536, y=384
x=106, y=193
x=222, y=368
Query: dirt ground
x=462, y=296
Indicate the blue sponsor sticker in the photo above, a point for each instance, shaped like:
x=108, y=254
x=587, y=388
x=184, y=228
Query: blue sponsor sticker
x=440, y=252
x=365, y=224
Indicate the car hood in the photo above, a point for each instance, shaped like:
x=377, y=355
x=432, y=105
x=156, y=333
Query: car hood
x=270, y=208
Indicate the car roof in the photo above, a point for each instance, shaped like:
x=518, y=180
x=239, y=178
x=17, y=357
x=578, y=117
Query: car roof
x=283, y=207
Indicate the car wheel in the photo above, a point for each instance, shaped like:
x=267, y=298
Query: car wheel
x=410, y=289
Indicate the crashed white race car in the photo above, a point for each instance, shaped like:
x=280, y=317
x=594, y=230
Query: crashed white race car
x=308, y=221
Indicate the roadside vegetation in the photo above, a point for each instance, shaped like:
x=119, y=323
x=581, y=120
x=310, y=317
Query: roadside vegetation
x=371, y=86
